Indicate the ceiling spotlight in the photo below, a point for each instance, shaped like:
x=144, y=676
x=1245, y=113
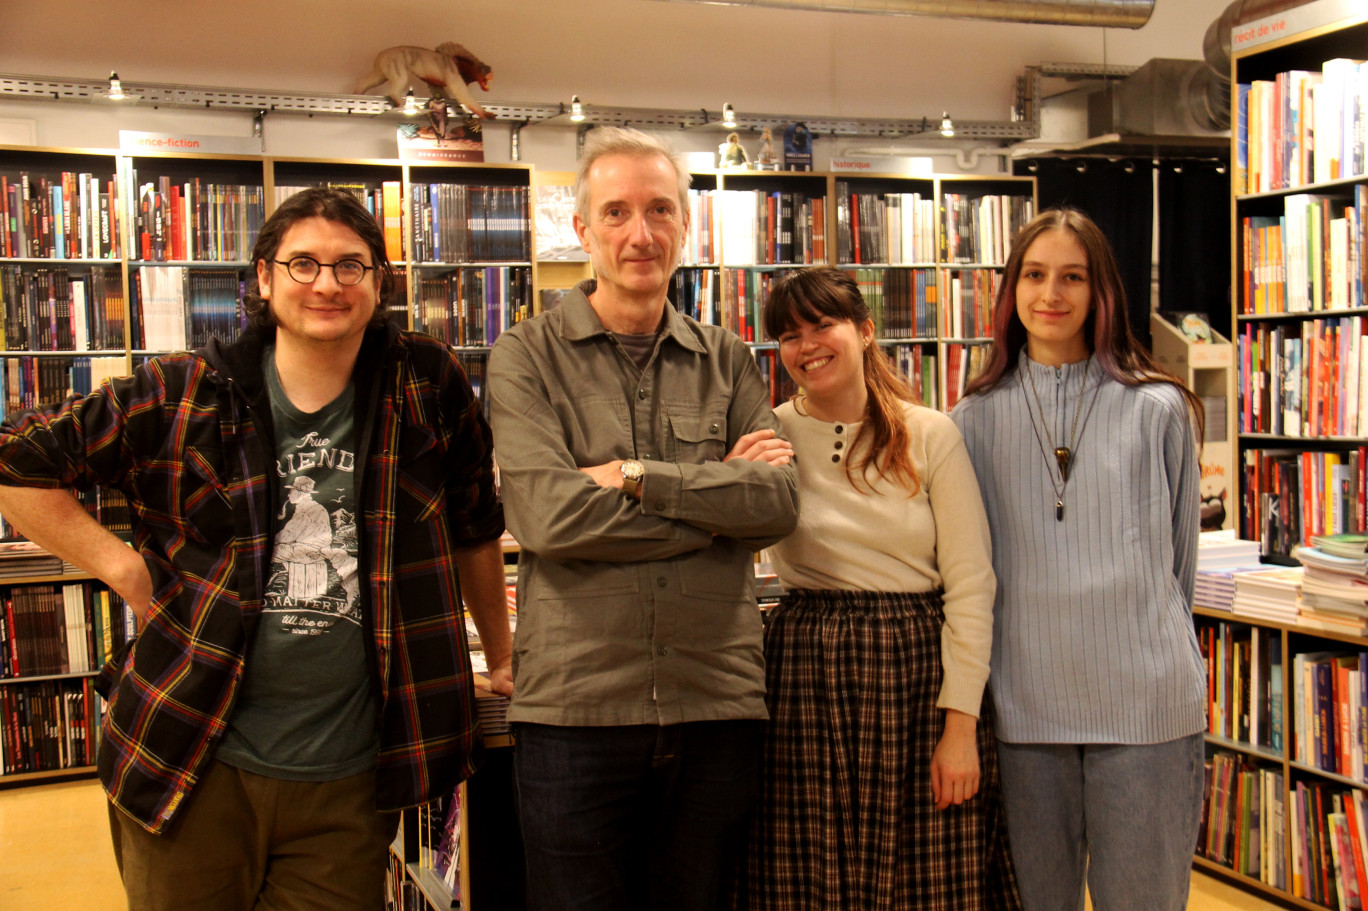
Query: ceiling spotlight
x=728, y=117
x=411, y=108
x=115, y=92
x=947, y=128
x=576, y=109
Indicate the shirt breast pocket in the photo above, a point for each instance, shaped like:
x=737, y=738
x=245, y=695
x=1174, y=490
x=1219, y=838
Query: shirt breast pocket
x=698, y=436
x=421, y=482
x=203, y=502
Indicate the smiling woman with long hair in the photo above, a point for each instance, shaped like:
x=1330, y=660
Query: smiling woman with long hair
x=880, y=785
x=1086, y=457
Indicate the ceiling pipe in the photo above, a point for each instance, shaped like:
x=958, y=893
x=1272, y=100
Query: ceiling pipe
x=1095, y=13
x=1208, y=98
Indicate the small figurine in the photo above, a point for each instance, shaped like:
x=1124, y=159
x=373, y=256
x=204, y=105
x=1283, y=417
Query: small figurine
x=731, y=154
x=766, y=160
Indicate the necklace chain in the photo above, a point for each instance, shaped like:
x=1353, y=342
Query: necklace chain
x=1063, y=454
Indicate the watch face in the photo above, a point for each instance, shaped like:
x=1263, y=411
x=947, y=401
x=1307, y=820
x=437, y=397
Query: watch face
x=633, y=470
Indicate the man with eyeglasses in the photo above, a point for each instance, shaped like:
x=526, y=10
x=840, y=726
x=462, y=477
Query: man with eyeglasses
x=311, y=503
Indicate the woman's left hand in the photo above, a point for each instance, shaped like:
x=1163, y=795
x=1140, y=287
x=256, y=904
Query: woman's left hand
x=955, y=764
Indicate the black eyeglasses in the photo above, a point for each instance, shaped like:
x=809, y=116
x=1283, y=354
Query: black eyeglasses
x=304, y=269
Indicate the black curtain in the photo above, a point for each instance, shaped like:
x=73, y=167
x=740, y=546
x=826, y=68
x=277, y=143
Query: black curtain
x=1194, y=240
x=1119, y=197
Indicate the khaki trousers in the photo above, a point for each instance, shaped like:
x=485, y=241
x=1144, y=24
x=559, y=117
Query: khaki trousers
x=246, y=842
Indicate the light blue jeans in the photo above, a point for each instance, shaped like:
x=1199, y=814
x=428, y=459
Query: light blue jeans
x=1125, y=817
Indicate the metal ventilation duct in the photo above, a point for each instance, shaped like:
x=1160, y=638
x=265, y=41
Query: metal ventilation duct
x=1096, y=13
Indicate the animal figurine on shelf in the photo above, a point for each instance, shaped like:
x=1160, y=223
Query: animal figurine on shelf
x=447, y=70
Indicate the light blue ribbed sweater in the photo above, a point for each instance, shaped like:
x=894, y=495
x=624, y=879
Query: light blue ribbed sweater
x=1092, y=638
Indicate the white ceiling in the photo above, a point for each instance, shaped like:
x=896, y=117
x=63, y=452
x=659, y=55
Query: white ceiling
x=635, y=53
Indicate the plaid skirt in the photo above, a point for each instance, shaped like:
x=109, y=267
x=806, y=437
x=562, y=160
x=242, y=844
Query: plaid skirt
x=845, y=819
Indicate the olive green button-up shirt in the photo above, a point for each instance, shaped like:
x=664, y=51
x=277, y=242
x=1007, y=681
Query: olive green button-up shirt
x=634, y=612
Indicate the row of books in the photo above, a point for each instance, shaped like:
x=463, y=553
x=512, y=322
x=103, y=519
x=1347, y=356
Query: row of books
x=383, y=201
x=27, y=381
x=476, y=367
x=1301, y=127
x=180, y=307
x=1329, y=849
x=1308, y=258
x=693, y=292
x=196, y=220
x=969, y=297
x=49, y=725
x=472, y=306
x=439, y=841
x=1305, y=379
x=781, y=386
x=902, y=301
x=61, y=628
x=64, y=215
x=1292, y=495
x=981, y=229
x=1330, y=723
x=701, y=245
x=53, y=309
x=892, y=228
x=1243, y=818
x=1244, y=670
x=742, y=299
x=459, y=223
x=919, y=365
x=962, y=364
x=762, y=228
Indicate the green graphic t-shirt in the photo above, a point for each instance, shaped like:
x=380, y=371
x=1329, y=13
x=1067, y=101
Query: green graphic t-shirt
x=306, y=710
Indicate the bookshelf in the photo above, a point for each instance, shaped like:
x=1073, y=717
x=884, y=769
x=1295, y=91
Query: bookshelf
x=150, y=253
x=927, y=252
x=1298, y=304
x=56, y=632
x=477, y=828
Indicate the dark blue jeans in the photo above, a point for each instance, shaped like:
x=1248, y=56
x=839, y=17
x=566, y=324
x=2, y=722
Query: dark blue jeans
x=634, y=818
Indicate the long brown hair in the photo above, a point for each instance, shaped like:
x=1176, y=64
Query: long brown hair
x=806, y=296
x=1107, y=328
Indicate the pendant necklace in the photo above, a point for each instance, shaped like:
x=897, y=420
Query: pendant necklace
x=1063, y=455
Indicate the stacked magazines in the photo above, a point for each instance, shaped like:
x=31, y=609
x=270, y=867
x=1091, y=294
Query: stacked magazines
x=24, y=558
x=1334, y=588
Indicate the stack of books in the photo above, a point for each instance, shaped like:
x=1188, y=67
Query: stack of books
x=24, y=558
x=1335, y=585
x=1220, y=555
x=1268, y=594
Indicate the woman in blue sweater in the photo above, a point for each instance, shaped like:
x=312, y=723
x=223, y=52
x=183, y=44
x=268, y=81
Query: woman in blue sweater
x=1085, y=454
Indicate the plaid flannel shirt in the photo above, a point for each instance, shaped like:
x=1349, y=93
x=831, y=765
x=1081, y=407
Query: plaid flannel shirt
x=188, y=439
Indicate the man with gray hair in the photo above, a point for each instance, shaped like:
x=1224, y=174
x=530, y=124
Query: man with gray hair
x=641, y=467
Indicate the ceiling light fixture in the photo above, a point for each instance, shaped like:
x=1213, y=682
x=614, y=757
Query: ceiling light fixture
x=728, y=117
x=115, y=92
x=576, y=109
x=947, y=127
x=411, y=108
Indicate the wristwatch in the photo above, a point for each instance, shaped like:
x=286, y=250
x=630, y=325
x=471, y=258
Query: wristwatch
x=632, y=473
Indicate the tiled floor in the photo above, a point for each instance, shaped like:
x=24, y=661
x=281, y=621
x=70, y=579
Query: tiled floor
x=55, y=855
